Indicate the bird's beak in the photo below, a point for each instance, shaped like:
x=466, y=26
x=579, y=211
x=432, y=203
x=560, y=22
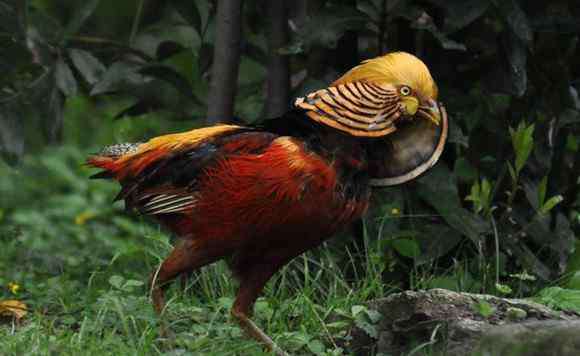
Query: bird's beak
x=429, y=109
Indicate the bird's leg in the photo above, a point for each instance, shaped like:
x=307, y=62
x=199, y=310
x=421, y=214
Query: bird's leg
x=187, y=256
x=251, y=284
x=184, y=279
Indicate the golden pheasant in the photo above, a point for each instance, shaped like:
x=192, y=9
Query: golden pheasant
x=261, y=195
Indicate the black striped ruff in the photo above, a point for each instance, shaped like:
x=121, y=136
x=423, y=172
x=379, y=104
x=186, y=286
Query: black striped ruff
x=359, y=108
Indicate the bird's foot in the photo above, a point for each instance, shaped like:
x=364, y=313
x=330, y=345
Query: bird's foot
x=255, y=332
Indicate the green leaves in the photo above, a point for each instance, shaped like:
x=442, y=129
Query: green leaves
x=522, y=143
x=484, y=309
x=82, y=13
x=65, y=79
x=90, y=68
x=366, y=319
x=559, y=298
x=327, y=26
x=516, y=19
x=551, y=203
x=125, y=285
x=481, y=196
x=407, y=248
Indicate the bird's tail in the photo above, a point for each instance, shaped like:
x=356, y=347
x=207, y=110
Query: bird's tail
x=106, y=159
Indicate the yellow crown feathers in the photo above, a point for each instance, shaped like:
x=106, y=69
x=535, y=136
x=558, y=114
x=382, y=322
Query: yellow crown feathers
x=393, y=68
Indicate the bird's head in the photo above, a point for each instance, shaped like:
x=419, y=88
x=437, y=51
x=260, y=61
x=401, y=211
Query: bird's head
x=391, y=99
x=373, y=98
x=404, y=75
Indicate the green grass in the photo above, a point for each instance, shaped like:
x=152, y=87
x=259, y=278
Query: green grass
x=307, y=307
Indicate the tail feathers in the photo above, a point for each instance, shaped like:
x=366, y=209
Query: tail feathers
x=104, y=162
x=106, y=159
x=119, y=149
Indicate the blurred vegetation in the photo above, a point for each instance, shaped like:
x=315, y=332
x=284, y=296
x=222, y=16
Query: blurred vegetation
x=500, y=214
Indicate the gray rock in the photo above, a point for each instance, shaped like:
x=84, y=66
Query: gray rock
x=534, y=338
x=443, y=322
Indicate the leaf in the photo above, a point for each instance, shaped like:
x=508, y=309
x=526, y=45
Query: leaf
x=503, y=288
x=329, y=24
x=512, y=172
x=355, y=310
x=484, y=309
x=574, y=281
x=133, y=283
x=88, y=65
x=542, y=191
x=556, y=23
x=407, y=248
x=139, y=108
x=170, y=76
x=189, y=11
x=559, y=298
x=516, y=19
x=551, y=203
x=374, y=316
x=439, y=189
x=367, y=327
x=425, y=22
x=517, y=57
x=316, y=347
x=9, y=18
x=461, y=13
x=117, y=76
x=82, y=13
x=436, y=240
x=523, y=143
x=65, y=79
x=13, y=309
x=116, y=281
x=11, y=134
x=457, y=136
x=558, y=239
x=54, y=105
x=167, y=49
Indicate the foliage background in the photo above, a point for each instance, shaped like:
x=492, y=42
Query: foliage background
x=500, y=214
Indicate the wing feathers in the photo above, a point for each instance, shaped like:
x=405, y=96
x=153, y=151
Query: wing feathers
x=163, y=180
x=165, y=203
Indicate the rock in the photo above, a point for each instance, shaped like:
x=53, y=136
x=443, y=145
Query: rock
x=534, y=338
x=445, y=322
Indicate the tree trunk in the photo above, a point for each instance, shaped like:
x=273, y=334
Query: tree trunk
x=226, y=61
x=278, y=79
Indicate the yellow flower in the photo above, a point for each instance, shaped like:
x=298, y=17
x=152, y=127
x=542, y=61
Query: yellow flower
x=395, y=211
x=13, y=287
x=83, y=217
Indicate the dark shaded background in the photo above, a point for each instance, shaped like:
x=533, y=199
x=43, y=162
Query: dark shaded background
x=504, y=204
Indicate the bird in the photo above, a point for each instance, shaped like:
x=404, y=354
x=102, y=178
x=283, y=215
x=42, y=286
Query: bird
x=260, y=195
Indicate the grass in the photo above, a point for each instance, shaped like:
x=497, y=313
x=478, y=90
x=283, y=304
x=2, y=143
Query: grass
x=307, y=307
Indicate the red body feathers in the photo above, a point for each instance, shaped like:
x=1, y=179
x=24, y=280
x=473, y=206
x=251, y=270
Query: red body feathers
x=258, y=196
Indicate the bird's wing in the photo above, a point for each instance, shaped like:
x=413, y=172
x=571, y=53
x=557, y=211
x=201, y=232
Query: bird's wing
x=360, y=108
x=160, y=176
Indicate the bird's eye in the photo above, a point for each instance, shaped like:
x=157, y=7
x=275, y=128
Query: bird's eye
x=405, y=91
